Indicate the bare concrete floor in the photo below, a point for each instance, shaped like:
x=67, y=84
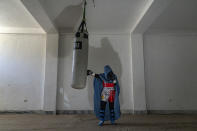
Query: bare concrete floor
x=89, y=123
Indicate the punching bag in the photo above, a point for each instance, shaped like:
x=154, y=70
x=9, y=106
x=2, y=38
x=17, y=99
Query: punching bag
x=80, y=55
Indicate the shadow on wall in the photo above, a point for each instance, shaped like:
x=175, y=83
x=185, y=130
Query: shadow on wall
x=98, y=58
x=69, y=17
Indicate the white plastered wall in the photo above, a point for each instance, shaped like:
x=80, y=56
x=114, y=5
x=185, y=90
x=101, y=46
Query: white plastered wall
x=114, y=50
x=21, y=71
x=170, y=70
x=51, y=53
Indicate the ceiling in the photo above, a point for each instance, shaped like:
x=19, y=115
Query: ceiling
x=180, y=15
x=107, y=16
x=14, y=15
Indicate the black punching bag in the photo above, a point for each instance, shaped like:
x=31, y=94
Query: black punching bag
x=80, y=56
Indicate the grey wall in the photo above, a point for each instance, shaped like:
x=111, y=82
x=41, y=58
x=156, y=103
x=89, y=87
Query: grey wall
x=114, y=50
x=21, y=71
x=170, y=71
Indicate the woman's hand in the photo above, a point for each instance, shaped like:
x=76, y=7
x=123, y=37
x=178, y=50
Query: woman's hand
x=89, y=72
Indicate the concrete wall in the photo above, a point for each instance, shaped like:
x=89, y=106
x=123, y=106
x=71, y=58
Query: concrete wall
x=21, y=71
x=114, y=50
x=139, y=97
x=170, y=71
x=50, y=79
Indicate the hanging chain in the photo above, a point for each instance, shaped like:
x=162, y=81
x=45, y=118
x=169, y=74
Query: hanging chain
x=84, y=10
x=94, y=3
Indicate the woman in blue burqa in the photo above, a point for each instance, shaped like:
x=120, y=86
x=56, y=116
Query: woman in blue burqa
x=106, y=95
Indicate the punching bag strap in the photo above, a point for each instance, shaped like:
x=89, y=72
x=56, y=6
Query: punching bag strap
x=83, y=27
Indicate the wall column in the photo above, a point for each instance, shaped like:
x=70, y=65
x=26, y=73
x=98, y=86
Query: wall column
x=50, y=82
x=139, y=97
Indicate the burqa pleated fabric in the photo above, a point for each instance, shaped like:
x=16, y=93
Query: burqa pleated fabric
x=98, y=87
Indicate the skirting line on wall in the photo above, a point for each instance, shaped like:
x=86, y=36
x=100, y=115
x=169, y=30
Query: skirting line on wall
x=168, y=112
x=59, y=112
x=91, y=112
x=27, y=112
x=87, y=112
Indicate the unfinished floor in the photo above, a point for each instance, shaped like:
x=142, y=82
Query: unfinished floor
x=89, y=123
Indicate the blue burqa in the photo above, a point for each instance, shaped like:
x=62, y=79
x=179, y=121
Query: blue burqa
x=98, y=87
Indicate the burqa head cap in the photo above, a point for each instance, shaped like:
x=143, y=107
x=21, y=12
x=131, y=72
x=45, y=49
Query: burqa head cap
x=107, y=70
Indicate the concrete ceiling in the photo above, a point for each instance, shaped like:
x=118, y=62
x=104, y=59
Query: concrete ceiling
x=108, y=16
x=14, y=15
x=180, y=15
